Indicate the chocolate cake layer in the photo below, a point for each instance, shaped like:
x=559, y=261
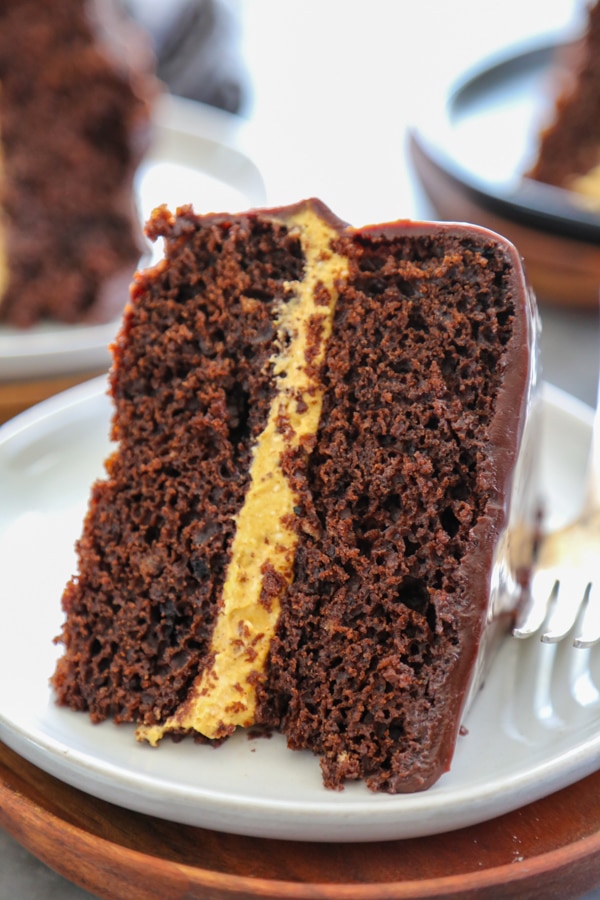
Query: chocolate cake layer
x=304, y=525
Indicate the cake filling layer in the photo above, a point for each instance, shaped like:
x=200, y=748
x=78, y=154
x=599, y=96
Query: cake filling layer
x=263, y=549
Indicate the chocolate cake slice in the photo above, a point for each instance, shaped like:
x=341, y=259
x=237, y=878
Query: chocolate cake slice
x=320, y=465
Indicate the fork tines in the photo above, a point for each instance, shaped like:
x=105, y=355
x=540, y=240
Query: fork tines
x=556, y=612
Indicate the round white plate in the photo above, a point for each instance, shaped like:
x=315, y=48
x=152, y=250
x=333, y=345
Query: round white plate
x=200, y=156
x=526, y=736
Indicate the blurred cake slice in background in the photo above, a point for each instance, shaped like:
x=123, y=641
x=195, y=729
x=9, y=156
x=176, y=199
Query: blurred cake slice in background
x=76, y=87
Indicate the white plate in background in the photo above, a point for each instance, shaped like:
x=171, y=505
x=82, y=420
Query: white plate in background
x=199, y=156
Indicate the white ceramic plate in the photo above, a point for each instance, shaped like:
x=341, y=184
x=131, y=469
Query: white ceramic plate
x=525, y=737
x=199, y=156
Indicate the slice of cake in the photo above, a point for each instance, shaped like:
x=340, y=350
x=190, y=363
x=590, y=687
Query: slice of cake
x=75, y=88
x=569, y=146
x=304, y=524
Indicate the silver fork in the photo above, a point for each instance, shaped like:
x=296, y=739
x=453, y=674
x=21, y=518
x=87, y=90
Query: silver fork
x=565, y=585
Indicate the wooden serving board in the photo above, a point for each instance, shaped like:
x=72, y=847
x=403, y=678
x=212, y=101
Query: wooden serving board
x=549, y=848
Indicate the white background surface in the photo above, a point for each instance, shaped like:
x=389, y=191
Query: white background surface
x=335, y=83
